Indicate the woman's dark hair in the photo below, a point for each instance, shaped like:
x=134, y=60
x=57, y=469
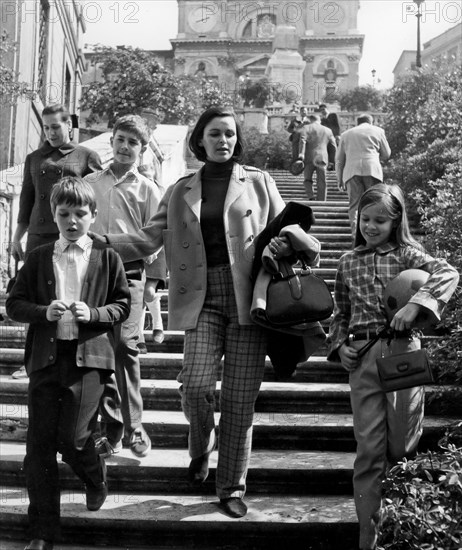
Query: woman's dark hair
x=198, y=133
x=57, y=108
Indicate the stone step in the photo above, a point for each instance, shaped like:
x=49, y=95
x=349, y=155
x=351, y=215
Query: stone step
x=167, y=364
x=277, y=397
x=313, y=431
x=274, y=471
x=193, y=521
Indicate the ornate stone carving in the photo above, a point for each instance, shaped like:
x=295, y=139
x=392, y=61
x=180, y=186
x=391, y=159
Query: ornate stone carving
x=180, y=60
x=309, y=58
x=353, y=58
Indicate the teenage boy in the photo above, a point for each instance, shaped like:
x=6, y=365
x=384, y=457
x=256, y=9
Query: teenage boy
x=126, y=201
x=72, y=292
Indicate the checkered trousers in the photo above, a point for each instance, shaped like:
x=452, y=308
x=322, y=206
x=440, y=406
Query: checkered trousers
x=219, y=334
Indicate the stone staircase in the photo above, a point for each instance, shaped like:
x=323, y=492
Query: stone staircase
x=299, y=483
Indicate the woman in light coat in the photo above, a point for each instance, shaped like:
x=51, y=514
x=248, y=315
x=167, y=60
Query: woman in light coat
x=207, y=223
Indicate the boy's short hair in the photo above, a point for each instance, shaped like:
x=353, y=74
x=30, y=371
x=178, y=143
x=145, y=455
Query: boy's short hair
x=134, y=124
x=74, y=191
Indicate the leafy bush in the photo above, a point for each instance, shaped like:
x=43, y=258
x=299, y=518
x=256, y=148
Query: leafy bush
x=361, y=98
x=267, y=151
x=422, y=500
x=441, y=219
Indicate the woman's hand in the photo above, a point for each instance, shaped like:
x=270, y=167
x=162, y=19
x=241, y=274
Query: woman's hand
x=348, y=357
x=280, y=247
x=405, y=317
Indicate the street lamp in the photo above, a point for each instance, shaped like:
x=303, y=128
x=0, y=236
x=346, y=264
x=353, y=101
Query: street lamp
x=373, y=72
x=418, y=62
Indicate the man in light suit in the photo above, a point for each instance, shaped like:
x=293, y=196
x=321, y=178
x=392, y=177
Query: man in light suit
x=313, y=147
x=358, y=161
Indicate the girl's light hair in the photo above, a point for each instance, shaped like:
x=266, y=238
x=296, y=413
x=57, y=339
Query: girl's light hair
x=391, y=197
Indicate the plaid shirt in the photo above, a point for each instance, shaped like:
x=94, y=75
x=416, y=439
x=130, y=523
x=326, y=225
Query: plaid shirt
x=361, y=279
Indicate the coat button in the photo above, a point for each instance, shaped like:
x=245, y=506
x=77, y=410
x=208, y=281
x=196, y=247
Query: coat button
x=52, y=339
x=42, y=172
x=183, y=267
x=42, y=196
x=49, y=282
x=182, y=290
x=41, y=220
x=185, y=244
x=51, y=357
x=248, y=212
x=58, y=170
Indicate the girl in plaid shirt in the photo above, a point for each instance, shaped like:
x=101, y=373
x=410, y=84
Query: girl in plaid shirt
x=387, y=426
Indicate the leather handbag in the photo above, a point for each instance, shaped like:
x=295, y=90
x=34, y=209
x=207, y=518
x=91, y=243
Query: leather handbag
x=296, y=297
x=297, y=167
x=405, y=370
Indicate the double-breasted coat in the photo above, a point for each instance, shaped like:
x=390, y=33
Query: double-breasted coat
x=251, y=202
x=43, y=168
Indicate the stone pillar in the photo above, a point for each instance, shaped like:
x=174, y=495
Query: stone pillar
x=286, y=66
x=254, y=118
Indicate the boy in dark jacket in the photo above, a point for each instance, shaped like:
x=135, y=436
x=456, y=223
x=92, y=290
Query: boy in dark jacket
x=72, y=292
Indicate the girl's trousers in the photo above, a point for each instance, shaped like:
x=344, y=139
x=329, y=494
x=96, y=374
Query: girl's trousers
x=219, y=334
x=387, y=427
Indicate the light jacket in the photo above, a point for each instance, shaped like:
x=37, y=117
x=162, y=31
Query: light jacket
x=360, y=151
x=251, y=202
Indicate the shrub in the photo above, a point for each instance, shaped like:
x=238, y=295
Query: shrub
x=267, y=151
x=422, y=500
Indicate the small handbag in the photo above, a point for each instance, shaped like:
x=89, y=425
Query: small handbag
x=297, y=167
x=405, y=370
x=296, y=297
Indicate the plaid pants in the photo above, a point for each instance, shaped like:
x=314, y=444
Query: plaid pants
x=219, y=334
x=387, y=427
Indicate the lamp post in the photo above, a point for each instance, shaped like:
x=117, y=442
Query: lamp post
x=418, y=61
x=373, y=72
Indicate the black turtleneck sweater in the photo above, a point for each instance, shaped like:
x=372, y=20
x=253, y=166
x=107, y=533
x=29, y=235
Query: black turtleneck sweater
x=215, y=180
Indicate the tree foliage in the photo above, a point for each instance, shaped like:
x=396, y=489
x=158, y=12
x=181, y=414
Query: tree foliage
x=361, y=98
x=133, y=81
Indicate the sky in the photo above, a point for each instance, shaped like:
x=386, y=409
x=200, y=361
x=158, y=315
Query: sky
x=389, y=26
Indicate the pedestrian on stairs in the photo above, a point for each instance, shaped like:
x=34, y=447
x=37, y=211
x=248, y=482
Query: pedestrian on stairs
x=207, y=223
x=58, y=157
x=358, y=161
x=73, y=292
x=387, y=426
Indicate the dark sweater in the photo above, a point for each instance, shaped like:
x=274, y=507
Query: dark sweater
x=215, y=181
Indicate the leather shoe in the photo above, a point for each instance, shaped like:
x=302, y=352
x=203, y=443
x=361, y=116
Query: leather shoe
x=39, y=544
x=198, y=470
x=234, y=507
x=96, y=494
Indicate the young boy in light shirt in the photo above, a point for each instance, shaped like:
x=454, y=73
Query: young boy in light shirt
x=126, y=201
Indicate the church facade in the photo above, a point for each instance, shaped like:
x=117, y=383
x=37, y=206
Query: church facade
x=232, y=41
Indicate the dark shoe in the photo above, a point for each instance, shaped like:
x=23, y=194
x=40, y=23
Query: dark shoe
x=234, y=507
x=142, y=348
x=198, y=470
x=106, y=449
x=140, y=444
x=97, y=494
x=39, y=544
